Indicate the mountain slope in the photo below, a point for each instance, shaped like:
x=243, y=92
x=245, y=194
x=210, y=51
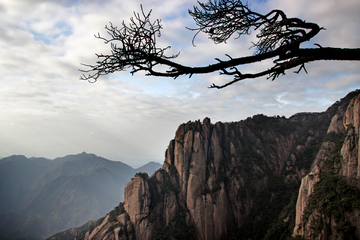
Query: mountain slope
x=244, y=180
x=61, y=193
x=74, y=165
x=17, y=174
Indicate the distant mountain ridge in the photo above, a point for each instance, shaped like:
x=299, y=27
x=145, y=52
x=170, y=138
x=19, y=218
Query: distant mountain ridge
x=38, y=196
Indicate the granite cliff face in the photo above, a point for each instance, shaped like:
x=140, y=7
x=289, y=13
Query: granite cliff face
x=332, y=212
x=350, y=151
x=250, y=179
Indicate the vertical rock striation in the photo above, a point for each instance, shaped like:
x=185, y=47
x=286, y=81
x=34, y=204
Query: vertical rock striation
x=335, y=170
x=305, y=191
x=350, y=163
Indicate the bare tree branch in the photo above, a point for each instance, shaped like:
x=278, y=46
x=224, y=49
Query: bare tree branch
x=132, y=46
x=279, y=39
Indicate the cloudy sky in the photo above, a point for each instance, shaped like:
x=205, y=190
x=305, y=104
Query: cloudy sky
x=46, y=111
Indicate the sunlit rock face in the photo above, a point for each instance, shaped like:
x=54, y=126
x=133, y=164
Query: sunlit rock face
x=345, y=123
x=350, y=164
x=248, y=179
x=306, y=189
x=137, y=205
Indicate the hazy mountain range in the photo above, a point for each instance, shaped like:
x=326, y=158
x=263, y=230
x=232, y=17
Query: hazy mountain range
x=39, y=197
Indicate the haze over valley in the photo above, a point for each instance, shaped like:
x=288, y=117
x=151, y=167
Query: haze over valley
x=39, y=197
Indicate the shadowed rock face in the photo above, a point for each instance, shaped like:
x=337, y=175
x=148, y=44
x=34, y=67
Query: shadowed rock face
x=241, y=179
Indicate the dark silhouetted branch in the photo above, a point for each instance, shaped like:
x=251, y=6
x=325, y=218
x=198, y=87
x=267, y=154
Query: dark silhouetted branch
x=279, y=39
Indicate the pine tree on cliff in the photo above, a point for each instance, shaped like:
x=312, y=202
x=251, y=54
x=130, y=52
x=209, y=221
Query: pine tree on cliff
x=279, y=37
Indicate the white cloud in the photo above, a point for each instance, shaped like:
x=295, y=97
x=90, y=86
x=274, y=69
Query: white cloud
x=46, y=111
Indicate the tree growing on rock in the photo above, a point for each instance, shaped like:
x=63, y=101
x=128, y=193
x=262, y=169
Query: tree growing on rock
x=279, y=38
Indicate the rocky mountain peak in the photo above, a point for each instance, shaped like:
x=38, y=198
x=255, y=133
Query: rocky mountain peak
x=249, y=179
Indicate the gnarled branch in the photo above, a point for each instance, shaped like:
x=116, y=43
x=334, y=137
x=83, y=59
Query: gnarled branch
x=279, y=38
x=132, y=46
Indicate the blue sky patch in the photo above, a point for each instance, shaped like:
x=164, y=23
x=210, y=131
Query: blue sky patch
x=66, y=30
x=40, y=37
x=61, y=28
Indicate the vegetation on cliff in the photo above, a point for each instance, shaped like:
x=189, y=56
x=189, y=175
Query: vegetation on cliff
x=332, y=198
